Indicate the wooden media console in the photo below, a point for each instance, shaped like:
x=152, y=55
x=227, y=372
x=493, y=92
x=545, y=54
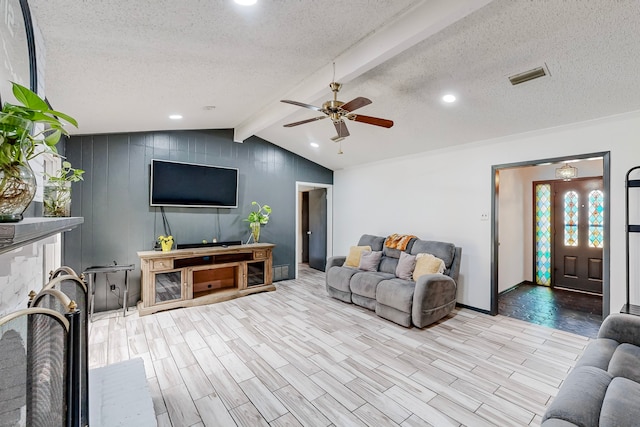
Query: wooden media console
x=189, y=277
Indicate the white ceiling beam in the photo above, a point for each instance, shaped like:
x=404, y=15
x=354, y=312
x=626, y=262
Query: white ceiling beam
x=416, y=24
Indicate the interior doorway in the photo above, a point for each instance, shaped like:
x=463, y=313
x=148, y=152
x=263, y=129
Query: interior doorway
x=314, y=224
x=515, y=259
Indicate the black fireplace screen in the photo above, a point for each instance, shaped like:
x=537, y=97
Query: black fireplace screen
x=33, y=355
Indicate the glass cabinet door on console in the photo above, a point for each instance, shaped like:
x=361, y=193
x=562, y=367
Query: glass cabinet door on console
x=168, y=286
x=255, y=273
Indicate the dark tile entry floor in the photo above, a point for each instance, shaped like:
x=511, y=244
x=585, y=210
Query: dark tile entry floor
x=557, y=308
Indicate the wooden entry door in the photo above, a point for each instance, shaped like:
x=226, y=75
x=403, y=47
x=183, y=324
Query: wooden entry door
x=578, y=234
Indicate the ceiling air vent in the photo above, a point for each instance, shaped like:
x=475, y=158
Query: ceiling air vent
x=516, y=79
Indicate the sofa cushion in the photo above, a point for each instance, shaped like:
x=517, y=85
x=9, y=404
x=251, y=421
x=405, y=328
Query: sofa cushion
x=620, y=406
x=598, y=353
x=368, y=303
x=396, y=293
x=405, y=267
x=376, y=242
x=400, y=317
x=621, y=328
x=339, y=278
x=353, y=259
x=580, y=397
x=427, y=264
x=444, y=251
x=391, y=252
x=365, y=283
x=624, y=362
x=369, y=260
x=388, y=265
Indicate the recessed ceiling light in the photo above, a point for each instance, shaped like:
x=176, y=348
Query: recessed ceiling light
x=449, y=98
x=314, y=145
x=175, y=117
x=246, y=2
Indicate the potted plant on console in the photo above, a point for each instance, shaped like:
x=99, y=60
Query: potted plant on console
x=166, y=242
x=18, y=145
x=257, y=218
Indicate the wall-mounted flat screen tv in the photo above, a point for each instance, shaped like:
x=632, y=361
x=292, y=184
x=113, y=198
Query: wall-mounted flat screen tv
x=193, y=185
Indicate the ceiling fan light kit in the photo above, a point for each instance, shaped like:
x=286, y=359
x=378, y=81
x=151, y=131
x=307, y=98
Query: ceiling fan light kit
x=337, y=111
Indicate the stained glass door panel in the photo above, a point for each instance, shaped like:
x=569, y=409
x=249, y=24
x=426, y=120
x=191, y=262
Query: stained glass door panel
x=543, y=233
x=596, y=218
x=571, y=218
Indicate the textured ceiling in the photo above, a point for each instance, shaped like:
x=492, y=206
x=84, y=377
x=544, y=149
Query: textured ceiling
x=121, y=66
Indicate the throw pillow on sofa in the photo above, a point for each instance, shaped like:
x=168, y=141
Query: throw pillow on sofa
x=369, y=260
x=355, y=252
x=405, y=267
x=427, y=264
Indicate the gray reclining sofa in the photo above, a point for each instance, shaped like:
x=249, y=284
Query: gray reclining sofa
x=603, y=389
x=402, y=301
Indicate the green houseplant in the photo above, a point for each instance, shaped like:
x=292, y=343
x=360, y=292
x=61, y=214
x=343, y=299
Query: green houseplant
x=257, y=218
x=57, y=190
x=19, y=144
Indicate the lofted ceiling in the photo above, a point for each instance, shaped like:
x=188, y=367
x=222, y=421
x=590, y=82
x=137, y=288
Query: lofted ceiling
x=125, y=66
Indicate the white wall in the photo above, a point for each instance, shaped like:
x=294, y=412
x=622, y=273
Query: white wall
x=441, y=195
x=514, y=226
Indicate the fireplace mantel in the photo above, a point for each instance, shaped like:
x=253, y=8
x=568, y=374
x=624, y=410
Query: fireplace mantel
x=30, y=230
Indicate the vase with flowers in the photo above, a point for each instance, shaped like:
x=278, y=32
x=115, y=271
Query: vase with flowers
x=257, y=219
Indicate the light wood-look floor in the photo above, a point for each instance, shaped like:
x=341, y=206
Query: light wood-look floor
x=298, y=357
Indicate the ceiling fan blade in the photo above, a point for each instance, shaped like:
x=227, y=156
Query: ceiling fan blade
x=289, y=125
x=341, y=128
x=356, y=103
x=301, y=104
x=371, y=120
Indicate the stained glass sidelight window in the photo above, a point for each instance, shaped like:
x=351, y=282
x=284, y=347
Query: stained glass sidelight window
x=543, y=234
x=571, y=218
x=596, y=219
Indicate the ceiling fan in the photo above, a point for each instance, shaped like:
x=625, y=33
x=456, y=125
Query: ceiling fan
x=337, y=111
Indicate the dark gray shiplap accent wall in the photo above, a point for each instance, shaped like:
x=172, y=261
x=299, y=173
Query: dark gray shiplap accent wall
x=114, y=198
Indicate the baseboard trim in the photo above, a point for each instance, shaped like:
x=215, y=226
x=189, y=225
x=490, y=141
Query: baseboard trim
x=479, y=310
x=524, y=282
